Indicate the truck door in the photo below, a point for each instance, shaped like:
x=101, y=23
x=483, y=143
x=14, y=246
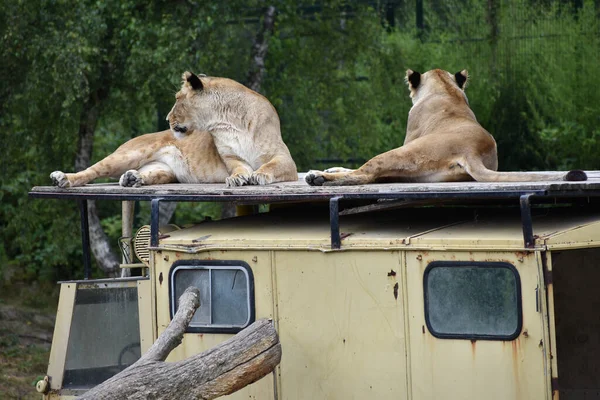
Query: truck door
x=475, y=326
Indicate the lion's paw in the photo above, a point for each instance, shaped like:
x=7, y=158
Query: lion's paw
x=260, y=178
x=334, y=170
x=60, y=179
x=237, y=180
x=314, y=178
x=131, y=178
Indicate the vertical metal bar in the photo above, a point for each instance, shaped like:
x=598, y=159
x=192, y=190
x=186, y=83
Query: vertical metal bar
x=526, y=222
x=85, y=238
x=154, y=218
x=210, y=317
x=334, y=222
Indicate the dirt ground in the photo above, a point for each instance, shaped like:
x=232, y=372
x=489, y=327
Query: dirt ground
x=26, y=327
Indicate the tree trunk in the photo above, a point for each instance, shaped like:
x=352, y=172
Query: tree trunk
x=259, y=50
x=106, y=259
x=256, y=74
x=234, y=364
x=166, y=210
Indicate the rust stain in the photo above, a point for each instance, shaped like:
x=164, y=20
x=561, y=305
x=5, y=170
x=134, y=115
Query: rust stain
x=391, y=273
x=473, y=348
x=396, y=291
x=516, y=344
x=160, y=279
x=423, y=329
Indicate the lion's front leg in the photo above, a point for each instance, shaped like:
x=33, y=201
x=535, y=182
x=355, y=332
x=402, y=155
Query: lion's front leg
x=278, y=169
x=239, y=171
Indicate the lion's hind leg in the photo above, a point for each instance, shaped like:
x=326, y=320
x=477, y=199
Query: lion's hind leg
x=130, y=155
x=322, y=178
x=154, y=173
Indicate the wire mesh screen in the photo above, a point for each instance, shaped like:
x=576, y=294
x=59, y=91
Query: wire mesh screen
x=533, y=78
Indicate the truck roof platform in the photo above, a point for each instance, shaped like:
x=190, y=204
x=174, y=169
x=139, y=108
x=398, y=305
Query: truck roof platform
x=300, y=191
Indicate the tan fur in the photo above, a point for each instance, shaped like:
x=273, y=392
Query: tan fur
x=222, y=133
x=244, y=126
x=444, y=142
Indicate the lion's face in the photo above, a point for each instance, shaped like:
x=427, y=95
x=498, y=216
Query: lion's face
x=436, y=81
x=188, y=105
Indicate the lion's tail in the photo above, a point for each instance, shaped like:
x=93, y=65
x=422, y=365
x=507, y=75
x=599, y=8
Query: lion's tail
x=480, y=173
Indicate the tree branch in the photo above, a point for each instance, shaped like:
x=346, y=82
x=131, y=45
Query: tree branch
x=224, y=369
x=172, y=336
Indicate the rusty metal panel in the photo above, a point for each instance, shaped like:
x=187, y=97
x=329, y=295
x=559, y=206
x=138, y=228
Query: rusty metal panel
x=476, y=369
x=194, y=343
x=146, y=315
x=414, y=230
x=341, y=325
x=584, y=232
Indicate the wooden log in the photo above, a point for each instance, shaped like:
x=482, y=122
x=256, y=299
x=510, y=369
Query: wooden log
x=224, y=369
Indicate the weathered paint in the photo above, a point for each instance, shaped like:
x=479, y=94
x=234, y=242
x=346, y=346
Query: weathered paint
x=341, y=328
x=146, y=315
x=60, y=339
x=454, y=231
x=351, y=322
x=194, y=343
x=483, y=369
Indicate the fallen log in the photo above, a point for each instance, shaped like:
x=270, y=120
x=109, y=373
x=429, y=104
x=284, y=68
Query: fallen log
x=224, y=369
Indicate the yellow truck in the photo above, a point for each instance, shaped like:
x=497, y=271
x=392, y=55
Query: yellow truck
x=390, y=291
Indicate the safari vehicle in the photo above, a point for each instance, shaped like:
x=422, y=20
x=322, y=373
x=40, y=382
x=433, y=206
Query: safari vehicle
x=389, y=291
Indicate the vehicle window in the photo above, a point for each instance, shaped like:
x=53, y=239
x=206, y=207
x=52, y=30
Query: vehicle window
x=104, y=337
x=470, y=300
x=226, y=294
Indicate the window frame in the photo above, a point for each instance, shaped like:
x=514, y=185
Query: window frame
x=474, y=264
x=214, y=265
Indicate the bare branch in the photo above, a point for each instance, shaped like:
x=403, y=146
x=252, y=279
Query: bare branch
x=243, y=359
x=172, y=336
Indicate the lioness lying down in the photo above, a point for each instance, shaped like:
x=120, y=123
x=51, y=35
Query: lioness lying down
x=444, y=142
x=221, y=131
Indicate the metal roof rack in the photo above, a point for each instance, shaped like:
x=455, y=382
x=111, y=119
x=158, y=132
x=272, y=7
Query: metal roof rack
x=298, y=191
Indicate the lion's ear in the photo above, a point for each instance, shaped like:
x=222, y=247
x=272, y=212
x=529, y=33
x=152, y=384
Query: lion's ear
x=461, y=78
x=193, y=80
x=413, y=78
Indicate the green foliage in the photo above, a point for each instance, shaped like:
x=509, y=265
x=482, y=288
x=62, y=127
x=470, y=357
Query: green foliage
x=334, y=71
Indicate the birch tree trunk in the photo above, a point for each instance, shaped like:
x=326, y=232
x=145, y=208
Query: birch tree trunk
x=106, y=259
x=245, y=358
x=256, y=73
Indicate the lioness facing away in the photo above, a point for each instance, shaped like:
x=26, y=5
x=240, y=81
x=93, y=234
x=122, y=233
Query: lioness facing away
x=444, y=142
x=221, y=131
